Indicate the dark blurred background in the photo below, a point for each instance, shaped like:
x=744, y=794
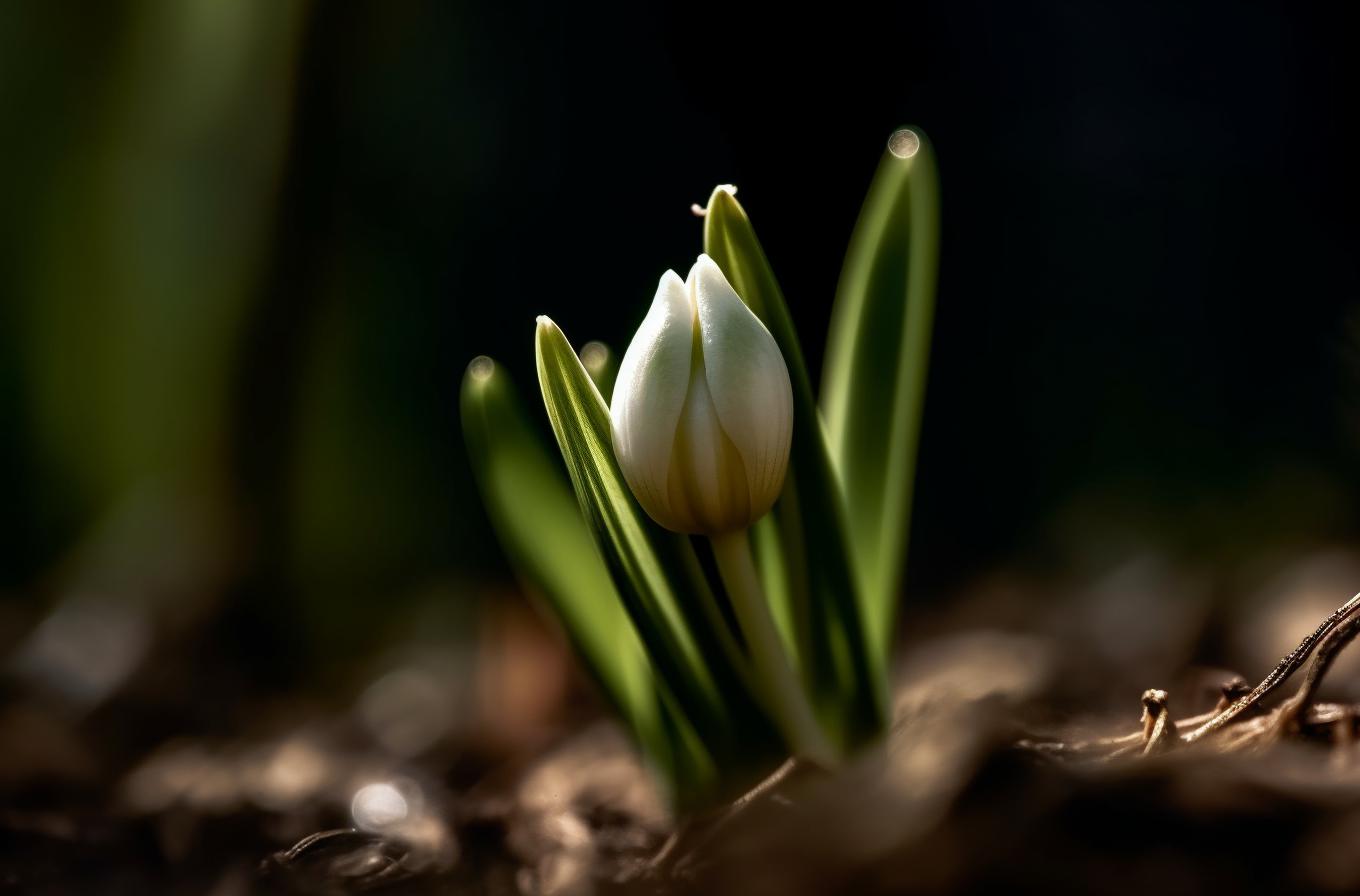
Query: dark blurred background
x=248, y=249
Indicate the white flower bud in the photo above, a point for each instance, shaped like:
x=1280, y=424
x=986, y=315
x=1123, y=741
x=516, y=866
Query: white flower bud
x=703, y=409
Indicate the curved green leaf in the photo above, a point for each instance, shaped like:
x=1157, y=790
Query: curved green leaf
x=540, y=527
x=847, y=687
x=878, y=349
x=656, y=574
x=539, y=524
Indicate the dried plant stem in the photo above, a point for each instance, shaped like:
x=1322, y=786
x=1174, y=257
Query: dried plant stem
x=679, y=852
x=1286, y=667
x=1160, y=732
x=1291, y=711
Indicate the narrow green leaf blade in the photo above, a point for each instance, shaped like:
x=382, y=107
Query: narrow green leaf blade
x=654, y=571
x=540, y=526
x=847, y=687
x=773, y=566
x=878, y=350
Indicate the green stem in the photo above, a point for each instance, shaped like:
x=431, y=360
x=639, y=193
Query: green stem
x=774, y=673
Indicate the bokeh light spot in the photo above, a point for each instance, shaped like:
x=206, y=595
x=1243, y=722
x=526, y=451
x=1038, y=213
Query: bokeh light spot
x=481, y=368
x=904, y=143
x=379, y=807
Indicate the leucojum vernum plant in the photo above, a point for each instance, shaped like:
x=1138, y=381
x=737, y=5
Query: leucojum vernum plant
x=727, y=548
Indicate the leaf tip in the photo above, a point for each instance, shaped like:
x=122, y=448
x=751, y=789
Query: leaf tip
x=544, y=328
x=724, y=200
x=481, y=369
x=904, y=143
x=909, y=147
x=479, y=382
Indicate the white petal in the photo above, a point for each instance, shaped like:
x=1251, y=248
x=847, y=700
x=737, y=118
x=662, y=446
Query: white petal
x=748, y=380
x=649, y=394
x=707, y=489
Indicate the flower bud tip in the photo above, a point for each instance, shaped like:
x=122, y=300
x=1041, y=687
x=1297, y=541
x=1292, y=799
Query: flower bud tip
x=702, y=409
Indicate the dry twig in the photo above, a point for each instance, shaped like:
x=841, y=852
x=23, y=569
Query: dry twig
x=1238, y=722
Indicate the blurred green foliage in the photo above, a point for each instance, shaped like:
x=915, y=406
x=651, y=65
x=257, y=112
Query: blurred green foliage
x=140, y=260
x=247, y=248
x=202, y=347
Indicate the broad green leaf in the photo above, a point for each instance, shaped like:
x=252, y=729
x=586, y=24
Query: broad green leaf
x=847, y=687
x=878, y=349
x=655, y=572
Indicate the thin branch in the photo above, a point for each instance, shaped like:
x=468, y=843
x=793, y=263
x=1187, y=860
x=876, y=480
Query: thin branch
x=1326, y=655
x=1159, y=731
x=677, y=854
x=1286, y=668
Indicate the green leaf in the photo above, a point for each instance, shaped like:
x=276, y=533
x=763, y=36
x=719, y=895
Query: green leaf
x=540, y=526
x=656, y=572
x=774, y=578
x=878, y=349
x=848, y=689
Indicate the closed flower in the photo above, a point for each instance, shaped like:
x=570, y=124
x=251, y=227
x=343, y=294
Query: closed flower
x=702, y=408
